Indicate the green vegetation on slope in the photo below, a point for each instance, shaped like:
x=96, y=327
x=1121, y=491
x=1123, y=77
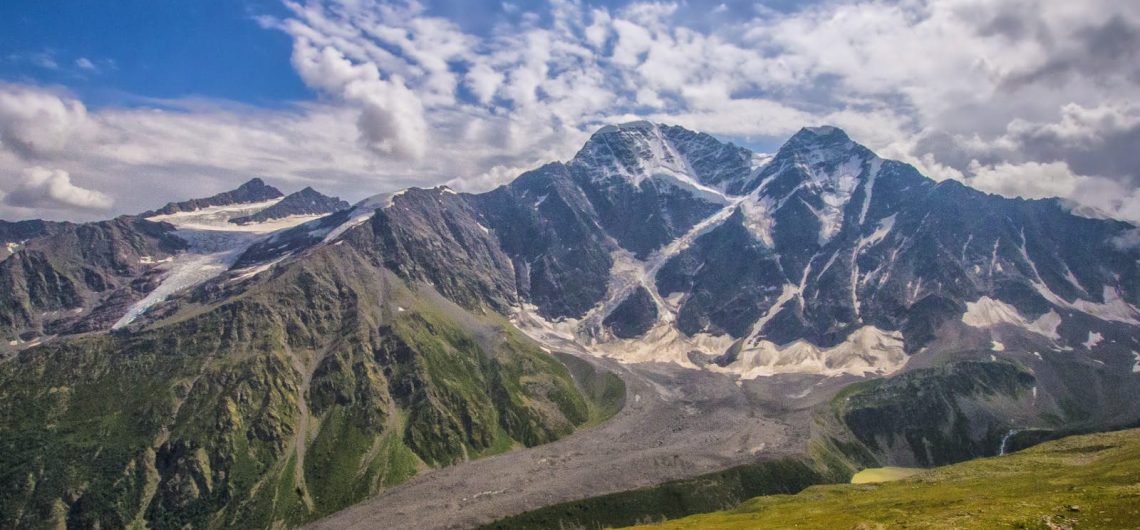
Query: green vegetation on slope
x=604, y=390
x=939, y=414
x=713, y=491
x=1090, y=481
x=297, y=397
x=930, y=416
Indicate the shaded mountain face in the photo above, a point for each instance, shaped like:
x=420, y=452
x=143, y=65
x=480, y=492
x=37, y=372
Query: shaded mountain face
x=13, y=235
x=79, y=278
x=64, y=278
x=255, y=190
x=825, y=258
x=821, y=258
x=305, y=202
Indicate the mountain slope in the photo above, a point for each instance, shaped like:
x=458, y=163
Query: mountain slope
x=839, y=261
x=305, y=202
x=76, y=278
x=1078, y=482
x=254, y=190
x=307, y=391
x=64, y=279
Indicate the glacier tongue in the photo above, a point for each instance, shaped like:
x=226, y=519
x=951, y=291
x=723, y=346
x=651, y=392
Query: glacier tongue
x=215, y=245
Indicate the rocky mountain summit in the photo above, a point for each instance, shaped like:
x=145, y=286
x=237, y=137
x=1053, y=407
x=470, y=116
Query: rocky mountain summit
x=305, y=202
x=253, y=191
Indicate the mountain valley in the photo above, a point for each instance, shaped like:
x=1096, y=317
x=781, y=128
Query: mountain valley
x=664, y=306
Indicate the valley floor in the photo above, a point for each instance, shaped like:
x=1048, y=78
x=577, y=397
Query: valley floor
x=1080, y=482
x=676, y=423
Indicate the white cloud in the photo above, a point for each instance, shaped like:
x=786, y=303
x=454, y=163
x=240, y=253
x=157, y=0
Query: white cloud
x=35, y=123
x=391, y=118
x=51, y=189
x=1031, y=180
x=1127, y=240
x=989, y=92
x=84, y=63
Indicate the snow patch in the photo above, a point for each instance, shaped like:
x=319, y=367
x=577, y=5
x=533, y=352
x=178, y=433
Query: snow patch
x=996, y=346
x=690, y=185
x=868, y=350
x=759, y=160
x=1113, y=309
x=217, y=218
x=211, y=253
x=1136, y=367
x=876, y=165
x=1094, y=339
x=360, y=213
x=758, y=219
x=148, y=260
x=11, y=248
x=215, y=245
x=987, y=312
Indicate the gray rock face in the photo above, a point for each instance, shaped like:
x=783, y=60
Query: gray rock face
x=78, y=278
x=712, y=302
x=634, y=316
x=305, y=202
x=255, y=190
x=547, y=225
x=871, y=242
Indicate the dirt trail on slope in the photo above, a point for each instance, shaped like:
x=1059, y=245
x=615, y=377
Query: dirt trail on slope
x=676, y=423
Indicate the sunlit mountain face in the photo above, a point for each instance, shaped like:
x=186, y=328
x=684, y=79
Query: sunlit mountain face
x=572, y=265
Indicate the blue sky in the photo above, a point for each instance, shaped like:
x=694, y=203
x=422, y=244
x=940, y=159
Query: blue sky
x=1027, y=98
x=122, y=51
x=150, y=48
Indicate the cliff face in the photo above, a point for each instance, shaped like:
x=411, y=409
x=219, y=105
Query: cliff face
x=255, y=190
x=77, y=278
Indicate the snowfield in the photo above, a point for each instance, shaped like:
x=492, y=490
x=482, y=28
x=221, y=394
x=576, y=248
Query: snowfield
x=215, y=245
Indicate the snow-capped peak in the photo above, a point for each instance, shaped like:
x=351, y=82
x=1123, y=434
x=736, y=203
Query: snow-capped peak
x=639, y=150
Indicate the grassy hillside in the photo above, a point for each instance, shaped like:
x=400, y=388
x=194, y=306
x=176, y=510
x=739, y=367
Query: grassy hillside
x=674, y=499
x=1090, y=481
x=297, y=397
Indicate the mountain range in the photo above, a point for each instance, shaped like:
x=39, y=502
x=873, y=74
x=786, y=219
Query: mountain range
x=252, y=358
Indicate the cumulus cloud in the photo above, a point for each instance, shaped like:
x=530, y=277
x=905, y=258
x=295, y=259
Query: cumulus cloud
x=35, y=124
x=84, y=63
x=52, y=189
x=1127, y=240
x=1020, y=97
x=391, y=116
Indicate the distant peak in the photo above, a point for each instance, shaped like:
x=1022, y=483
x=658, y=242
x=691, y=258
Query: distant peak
x=826, y=141
x=823, y=134
x=254, y=190
x=640, y=125
x=253, y=183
